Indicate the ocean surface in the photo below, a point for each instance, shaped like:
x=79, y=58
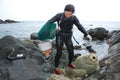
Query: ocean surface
x=23, y=30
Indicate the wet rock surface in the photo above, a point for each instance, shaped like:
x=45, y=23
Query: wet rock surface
x=111, y=63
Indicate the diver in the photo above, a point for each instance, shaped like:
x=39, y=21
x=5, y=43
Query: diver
x=65, y=21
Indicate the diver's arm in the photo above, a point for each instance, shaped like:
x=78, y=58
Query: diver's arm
x=55, y=18
x=80, y=27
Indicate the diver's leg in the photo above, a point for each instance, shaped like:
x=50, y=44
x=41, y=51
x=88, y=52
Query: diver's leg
x=69, y=45
x=59, y=45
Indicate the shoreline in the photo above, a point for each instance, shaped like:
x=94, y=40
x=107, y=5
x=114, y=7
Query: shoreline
x=36, y=63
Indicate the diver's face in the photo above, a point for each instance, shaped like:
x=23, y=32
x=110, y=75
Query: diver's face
x=68, y=14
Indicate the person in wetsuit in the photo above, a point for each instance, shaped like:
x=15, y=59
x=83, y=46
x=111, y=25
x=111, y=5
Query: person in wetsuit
x=66, y=20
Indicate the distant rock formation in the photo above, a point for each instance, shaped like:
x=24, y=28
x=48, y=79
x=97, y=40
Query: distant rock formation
x=1, y=21
x=10, y=21
x=7, y=21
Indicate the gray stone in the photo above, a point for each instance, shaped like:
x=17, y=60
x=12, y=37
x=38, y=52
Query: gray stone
x=112, y=62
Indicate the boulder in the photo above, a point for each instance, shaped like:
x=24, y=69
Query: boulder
x=98, y=33
x=10, y=46
x=34, y=36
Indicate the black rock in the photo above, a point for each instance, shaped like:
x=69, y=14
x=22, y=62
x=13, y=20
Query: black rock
x=34, y=36
x=10, y=46
x=98, y=33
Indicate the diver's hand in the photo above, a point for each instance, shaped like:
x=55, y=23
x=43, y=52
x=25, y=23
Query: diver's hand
x=89, y=37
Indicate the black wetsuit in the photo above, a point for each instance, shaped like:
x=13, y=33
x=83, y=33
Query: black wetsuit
x=65, y=34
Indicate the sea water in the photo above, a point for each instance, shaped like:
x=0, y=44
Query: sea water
x=24, y=29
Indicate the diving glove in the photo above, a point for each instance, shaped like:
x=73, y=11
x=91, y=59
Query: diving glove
x=89, y=37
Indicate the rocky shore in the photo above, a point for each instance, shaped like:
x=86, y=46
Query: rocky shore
x=110, y=64
x=22, y=60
